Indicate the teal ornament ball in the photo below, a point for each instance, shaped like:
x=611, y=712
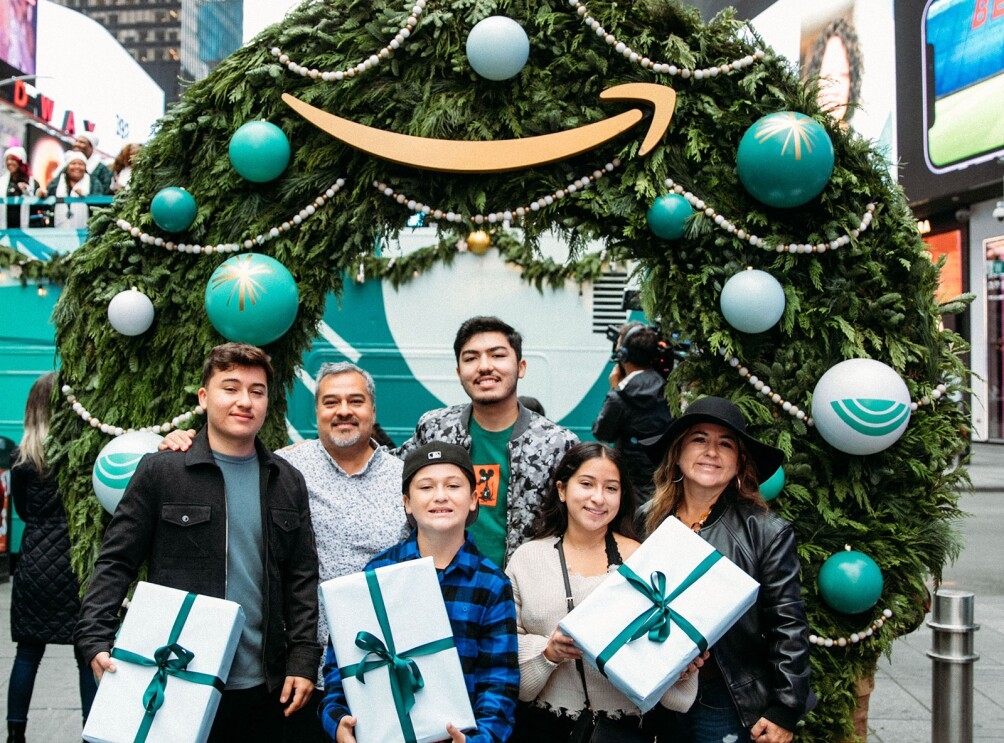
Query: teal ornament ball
x=173, y=209
x=497, y=48
x=785, y=159
x=130, y=312
x=752, y=301
x=861, y=406
x=850, y=582
x=259, y=151
x=116, y=463
x=773, y=485
x=252, y=298
x=667, y=217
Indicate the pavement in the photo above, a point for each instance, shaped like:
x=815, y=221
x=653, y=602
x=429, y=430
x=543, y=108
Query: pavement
x=900, y=707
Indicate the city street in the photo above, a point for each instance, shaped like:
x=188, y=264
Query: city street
x=900, y=705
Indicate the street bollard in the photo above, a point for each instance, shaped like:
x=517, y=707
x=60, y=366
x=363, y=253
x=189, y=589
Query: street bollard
x=952, y=675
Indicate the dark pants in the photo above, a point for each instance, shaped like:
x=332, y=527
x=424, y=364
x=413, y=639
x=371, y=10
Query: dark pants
x=248, y=716
x=22, y=680
x=305, y=726
x=537, y=725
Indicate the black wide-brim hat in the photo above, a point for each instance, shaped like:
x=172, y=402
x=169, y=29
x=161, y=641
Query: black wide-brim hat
x=724, y=412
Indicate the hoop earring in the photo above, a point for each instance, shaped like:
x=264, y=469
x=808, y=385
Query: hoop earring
x=678, y=479
x=739, y=483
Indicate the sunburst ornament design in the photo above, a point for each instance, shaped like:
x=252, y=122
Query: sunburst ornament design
x=252, y=298
x=785, y=159
x=241, y=273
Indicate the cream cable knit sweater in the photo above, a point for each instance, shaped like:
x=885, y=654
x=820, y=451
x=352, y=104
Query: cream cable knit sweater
x=539, y=591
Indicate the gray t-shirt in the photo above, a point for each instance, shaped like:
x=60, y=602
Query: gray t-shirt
x=245, y=564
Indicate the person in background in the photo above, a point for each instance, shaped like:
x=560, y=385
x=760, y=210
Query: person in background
x=122, y=167
x=635, y=408
x=15, y=182
x=73, y=182
x=514, y=450
x=45, y=597
x=587, y=524
x=756, y=684
x=100, y=174
x=837, y=63
x=440, y=501
x=532, y=403
x=226, y=519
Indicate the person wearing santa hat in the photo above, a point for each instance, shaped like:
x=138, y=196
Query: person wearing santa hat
x=15, y=182
x=72, y=182
x=100, y=174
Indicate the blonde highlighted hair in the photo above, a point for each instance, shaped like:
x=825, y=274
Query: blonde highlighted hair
x=36, y=422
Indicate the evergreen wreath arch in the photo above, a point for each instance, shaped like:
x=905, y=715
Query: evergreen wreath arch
x=872, y=297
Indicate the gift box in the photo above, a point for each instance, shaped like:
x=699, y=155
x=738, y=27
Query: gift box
x=670, y=601
x=172, y=658
x=400, y=669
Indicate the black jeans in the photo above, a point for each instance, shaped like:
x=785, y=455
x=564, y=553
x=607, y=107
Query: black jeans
x=248, y=716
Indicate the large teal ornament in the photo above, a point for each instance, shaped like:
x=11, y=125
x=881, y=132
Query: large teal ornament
x=667, y=217
x=861, y=406
x=259, y=151
x=252, y=299
x=116, y=463
x=497, y=48
x=173, y=209
x=773, y=485
x=752, y=301
x=850, y=582
x=785, y=159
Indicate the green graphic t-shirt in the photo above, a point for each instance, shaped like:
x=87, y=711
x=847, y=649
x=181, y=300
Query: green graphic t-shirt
x=490, y=455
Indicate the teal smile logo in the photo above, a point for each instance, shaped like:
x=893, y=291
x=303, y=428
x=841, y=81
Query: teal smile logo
x=115, y=470
x=871, y=417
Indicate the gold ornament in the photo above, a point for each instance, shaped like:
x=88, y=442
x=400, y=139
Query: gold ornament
x=478, y=242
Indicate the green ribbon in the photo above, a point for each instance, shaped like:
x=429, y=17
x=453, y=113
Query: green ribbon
x=170, y=660
x=405, y=676
x=657, y=620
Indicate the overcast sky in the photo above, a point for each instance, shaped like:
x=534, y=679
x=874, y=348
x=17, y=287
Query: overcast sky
x=261, y=13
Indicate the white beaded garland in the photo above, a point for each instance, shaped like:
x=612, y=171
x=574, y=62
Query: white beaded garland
x=758, y=242
x=661, y=68
x=177, y=422
x=367, y=64
x=854, y=637
x=260, y=239
x=505, y=215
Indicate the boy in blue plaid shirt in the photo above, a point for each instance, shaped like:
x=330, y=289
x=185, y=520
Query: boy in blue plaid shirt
x=439, y=499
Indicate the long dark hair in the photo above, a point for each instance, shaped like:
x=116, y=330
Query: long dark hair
x=553, y=519
x=669, y=482
x=36, y=423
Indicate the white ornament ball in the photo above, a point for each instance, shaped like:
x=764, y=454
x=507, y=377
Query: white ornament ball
x=497, y=48
x=130, y=312
x=752, y=301
x=861, y=406
x=116, y=464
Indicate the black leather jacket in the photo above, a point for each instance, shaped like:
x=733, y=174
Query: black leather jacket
x=765, y=656
x=173, y=514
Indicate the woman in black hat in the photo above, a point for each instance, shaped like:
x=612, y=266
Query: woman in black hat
x=756, y=684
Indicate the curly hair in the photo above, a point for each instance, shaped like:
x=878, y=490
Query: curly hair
x=843, y=30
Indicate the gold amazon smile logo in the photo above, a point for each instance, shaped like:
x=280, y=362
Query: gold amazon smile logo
x=462, y=156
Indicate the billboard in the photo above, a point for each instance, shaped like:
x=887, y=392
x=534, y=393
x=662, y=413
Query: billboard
x=19, y=21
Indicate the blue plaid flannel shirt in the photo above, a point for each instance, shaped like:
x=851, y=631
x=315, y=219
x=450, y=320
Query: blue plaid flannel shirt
x=482, y=615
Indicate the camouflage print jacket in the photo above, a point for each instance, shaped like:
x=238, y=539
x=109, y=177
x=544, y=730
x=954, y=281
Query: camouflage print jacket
x=536, y=446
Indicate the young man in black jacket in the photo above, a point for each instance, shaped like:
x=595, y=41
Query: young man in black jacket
x=226, y=519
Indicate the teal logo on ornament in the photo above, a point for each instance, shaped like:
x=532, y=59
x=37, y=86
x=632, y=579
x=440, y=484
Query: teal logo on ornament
x=115, y=470
x=871, y=417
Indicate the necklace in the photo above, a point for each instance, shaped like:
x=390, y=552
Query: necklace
x=695, y=526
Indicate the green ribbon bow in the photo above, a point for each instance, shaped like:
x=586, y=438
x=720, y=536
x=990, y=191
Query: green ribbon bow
x=657, y=620
x=170, y=660
x=405, y=676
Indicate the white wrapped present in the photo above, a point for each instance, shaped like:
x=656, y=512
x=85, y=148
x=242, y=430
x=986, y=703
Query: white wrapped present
x=172, y=655
x=397, y=613
x=672, y=599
